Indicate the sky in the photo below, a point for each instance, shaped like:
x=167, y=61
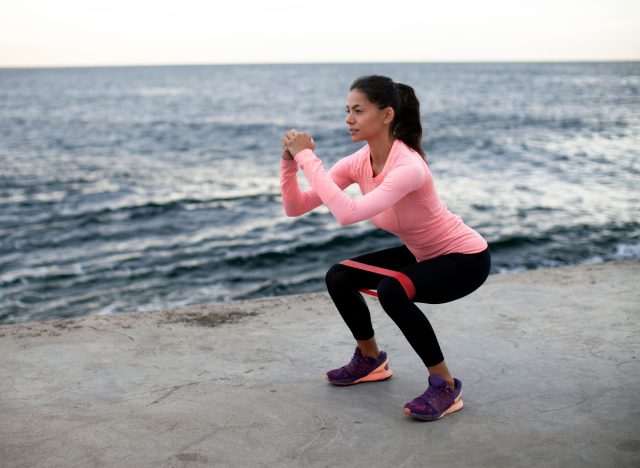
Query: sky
x=157, y=32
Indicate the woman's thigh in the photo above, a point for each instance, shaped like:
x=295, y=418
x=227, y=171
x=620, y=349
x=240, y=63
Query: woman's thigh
x=449, y=277
x=394, y=258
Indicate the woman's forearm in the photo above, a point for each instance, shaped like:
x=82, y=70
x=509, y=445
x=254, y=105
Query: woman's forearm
x=295, y=201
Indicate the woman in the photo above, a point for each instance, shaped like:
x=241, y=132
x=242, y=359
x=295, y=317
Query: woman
x=444, y=258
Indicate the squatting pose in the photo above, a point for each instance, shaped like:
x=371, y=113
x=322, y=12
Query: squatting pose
x=443, y=258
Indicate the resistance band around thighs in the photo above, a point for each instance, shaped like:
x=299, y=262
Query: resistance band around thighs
x=403, y=279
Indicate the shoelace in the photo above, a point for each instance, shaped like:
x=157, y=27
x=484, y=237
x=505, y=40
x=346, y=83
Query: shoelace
x=430, y=393
x=355, y=362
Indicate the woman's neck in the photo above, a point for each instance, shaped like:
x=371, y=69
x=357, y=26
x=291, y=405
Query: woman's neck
x=379, y=150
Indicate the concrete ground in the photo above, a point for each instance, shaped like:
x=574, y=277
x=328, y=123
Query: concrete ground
x=548, y=360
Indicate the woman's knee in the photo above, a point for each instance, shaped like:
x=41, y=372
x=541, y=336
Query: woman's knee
x=335, y=275
x=390, y=294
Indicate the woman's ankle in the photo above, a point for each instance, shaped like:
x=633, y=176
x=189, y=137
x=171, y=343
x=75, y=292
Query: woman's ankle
x=369, y=348
x=442, y=371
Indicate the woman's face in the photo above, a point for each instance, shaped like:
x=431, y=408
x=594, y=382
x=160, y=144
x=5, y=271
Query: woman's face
x=365, y=120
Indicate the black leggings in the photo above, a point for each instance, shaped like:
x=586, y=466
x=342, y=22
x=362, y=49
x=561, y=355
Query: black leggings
x=438, y=280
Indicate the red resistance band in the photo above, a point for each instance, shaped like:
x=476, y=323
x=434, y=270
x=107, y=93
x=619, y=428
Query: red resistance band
x=403, y=279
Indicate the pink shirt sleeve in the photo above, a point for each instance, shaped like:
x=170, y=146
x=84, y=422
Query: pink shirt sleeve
x=400, y=181
x=297, y=202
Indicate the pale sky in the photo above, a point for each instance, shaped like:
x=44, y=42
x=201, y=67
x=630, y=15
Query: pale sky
x=147, y=32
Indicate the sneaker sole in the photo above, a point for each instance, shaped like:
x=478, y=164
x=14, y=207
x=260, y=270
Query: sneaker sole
x=382, y=372
x=456, y=406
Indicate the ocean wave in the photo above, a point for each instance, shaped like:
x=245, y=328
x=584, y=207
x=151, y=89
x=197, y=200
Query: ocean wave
x=59, y=227
x=565, y=245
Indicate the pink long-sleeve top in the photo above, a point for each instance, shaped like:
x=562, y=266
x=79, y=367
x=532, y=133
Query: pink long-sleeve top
x=401, y=199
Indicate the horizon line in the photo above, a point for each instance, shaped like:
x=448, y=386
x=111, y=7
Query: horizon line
x=284, y=63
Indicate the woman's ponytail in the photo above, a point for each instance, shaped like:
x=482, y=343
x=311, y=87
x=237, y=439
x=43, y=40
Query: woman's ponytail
x=383, y=92
x=406, y=125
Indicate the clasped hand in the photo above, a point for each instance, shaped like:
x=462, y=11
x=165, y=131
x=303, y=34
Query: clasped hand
x=295, y=141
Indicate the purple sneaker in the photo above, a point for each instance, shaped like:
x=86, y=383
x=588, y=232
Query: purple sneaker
x=437, y=401
x=361, y=369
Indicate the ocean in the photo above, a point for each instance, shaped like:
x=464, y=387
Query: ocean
x=144, y=188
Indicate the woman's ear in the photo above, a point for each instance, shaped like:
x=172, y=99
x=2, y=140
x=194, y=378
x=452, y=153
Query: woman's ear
x=388, y=116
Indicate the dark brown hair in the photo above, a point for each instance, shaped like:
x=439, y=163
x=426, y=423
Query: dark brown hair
x=384, y=92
